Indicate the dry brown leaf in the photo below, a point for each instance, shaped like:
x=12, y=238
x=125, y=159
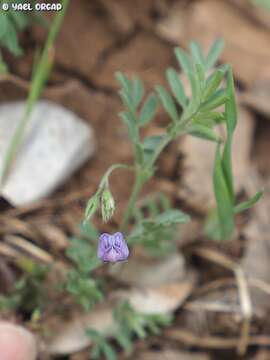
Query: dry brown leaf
x=246, y=44
x=196, y=180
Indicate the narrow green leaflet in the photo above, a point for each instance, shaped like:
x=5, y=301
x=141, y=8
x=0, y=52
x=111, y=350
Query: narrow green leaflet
x=148, y=110
x=137, y=91
x=219, y=98
x=249, y=203
x=168, y=103
x=195, y=88
x=200, y=75
x=128, y=119
x=211, y=117
x=223, y=199
x=124, y=82
x=204, y=132
x=213, y=83
x=177, y=87
x=184, y=60
x=196, y=52
x=128, y=101
x=214, y=53
x=149, y=145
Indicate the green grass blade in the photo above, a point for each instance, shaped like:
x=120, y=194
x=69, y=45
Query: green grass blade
x=223, y=199
x=38, y=82
x=231, y=121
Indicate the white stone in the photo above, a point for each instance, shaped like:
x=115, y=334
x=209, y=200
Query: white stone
x=56, y=143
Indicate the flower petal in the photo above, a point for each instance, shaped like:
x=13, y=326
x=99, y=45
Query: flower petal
x=105, y=245
x=120, y=245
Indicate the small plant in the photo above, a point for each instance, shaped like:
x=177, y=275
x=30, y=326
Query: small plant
x=221, y=223
x=153, y=223
x=211, y=103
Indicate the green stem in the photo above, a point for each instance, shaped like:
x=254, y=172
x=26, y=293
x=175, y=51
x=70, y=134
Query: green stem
x=139, y=179
x=39, y=78
x=132, y=200
x=105, y=177
x=163, y=143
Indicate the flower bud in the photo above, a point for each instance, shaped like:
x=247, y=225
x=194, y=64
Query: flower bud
x=107, y=205
x=91, y=208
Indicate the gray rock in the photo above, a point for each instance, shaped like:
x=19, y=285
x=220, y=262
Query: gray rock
x=56, y=143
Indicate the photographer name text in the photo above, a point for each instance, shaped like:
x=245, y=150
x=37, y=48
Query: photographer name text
x=31, y=7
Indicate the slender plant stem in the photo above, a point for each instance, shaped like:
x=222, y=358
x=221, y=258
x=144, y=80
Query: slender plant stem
x=139, y=179
x=132, y=200
x=40, y=76
x=105, y=177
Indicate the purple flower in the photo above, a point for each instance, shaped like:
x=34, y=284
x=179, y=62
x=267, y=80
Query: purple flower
x=112, y=248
